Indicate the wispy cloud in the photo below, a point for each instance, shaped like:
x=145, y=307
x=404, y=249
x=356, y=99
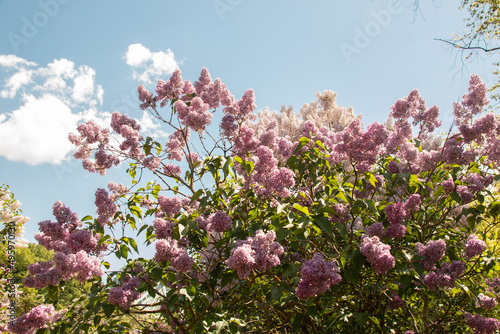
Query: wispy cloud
x=149, y=66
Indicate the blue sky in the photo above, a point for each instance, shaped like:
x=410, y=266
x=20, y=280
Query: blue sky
x=65, y=61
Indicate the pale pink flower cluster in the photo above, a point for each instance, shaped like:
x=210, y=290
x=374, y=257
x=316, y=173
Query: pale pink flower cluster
x=375, y=229
x=445, y=276
x=168, y=249
x=448, y=185
x=93, y=136
x=474, y=246
x=72, y=247
x=172, y=89
x=172, y=170
x=170, y=205
x=473, y=102
x=124, y=295
x=176, y=143
x=341, y=214
x=494, y=285
x=432, y=252
x=378, y=254
x=358, y=146
x=117, y=189
x=260, y=252
x=395, y=301
x=106, y=208
x=195, y=116
x=39, y=317
x=151, y=162
x=485, y=302
x=146, y=97
x=218, y=222
x=129, y=129
x=317, y=276
x=163, y=228
x=482, y=325
x=396, y=213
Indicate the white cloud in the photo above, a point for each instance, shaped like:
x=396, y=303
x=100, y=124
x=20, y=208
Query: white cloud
x=83, y=85
x=151, y=127
x=53, y=100
x=15, y=82
x=37, y=132
x=13, y=61
x=150, y=65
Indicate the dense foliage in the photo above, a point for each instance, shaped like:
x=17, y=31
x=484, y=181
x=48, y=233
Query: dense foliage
x=283, y=223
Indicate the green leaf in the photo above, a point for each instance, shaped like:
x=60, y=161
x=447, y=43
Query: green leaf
x=282, y=233
x=361, y=318
x=134, y=245
x=372, y=179
x=325, y=224
x=301, y=208
x=108, y=309
x=124, y=250
x=297, y=320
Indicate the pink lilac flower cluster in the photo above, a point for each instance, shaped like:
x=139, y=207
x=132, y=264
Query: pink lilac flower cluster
x=473, y=102
x=92, y=136
x=378, y=254
x=493, y=285
x=172, y=170
x=260, y=252
x=124, y=295
x=485, y=302
x=106, y=208
x=341, y=214
x=218, y=222
x=483, y=126
x=445, y=276
x=129, y=129
x=465, y=194
x=395, y=301
x=317, y=276
x=72, y=247
x=358, y=146
x=432, y=252
x=146, y=97
x=474, y=246
x=375, y=229
x=170, y=205
x=151, y=162
x=163, y=228
x=64, y=266
x=39, y=317
x=117, y=189
x=196, y=116
x=448, y=185
x=176, y=143
x=173, y=88
x=396, y=213
x=168, y=249
x=482, y=325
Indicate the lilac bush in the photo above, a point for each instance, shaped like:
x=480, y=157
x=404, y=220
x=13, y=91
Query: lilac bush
x=286, y=222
